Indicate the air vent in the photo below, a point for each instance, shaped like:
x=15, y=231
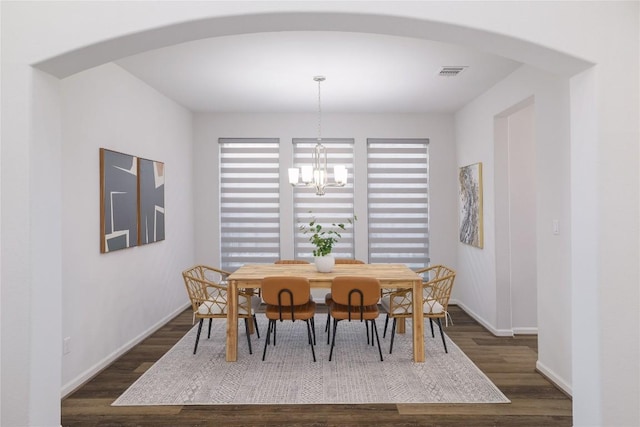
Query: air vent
x=452, y=71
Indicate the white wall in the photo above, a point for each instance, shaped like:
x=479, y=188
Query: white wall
x=477, y=278
x=110, y=301
x=517, y=168
x=443, y=173
x=604, y=158
x=522, y=220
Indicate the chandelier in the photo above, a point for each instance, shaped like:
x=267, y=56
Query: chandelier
x=315, y=175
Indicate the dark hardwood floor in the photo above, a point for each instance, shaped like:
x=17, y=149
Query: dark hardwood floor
x=509, y=362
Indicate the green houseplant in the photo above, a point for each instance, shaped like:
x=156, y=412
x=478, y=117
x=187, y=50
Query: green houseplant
x=323, y=239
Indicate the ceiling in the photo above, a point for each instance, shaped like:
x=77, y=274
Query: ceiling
x=273, y=72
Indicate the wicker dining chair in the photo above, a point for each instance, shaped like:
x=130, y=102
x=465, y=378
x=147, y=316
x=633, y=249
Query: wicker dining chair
x=436, y=292
x=355, y=298
x=207, y=290
x=327, y=297
x=287, y=298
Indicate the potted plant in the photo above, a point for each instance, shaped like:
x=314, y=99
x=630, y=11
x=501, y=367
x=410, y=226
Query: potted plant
x=323, y=240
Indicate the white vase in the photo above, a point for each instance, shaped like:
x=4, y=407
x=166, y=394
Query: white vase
x=324, y=264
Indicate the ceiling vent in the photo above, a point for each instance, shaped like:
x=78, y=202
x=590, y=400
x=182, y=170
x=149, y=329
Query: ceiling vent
x=451, y=71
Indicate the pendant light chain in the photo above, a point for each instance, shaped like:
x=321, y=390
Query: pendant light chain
x=319, y=79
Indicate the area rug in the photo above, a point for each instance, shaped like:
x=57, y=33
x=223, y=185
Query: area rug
x=289, y=376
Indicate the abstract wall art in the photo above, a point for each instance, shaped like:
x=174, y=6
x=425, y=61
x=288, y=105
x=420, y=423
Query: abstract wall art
x=470, y=210
x=131, y=201
x=151, y=201
x=118, y=201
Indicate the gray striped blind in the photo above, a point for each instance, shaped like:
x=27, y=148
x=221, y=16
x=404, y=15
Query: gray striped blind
x=336, y=206
x=249, y=201
x=398, y=201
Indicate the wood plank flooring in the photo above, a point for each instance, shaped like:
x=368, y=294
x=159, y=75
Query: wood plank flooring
x=509, y=362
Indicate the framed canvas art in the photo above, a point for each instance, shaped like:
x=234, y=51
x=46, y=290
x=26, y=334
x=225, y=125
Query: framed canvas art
x=151, y=201
x=118, y=201
x=470, y=210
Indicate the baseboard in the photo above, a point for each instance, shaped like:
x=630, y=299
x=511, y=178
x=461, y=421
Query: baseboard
x=554, y=379
x=83, y=378
x=484, y=323
x=525, y=331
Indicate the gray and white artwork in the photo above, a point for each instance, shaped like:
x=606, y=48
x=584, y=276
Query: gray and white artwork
x=151, y=179
x=119, y=201
x=470, y=178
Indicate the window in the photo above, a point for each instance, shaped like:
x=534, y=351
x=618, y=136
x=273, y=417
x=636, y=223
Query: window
x=398, y=201
x=336, y=206
x=249, y=201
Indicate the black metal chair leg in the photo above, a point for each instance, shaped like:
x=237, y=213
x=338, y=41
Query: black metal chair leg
x=393, y=334
x=327, y=326
x=198, y=336
x=275, y=326
x=431, y=324
x=386, y=322
x=366, y=326
x=333, y=341
x=267, y=340
x=209, y=334
x=309, y=334
x=255, y=323
x=313, y=329
x=246, y=328
x=375, y=329
x=442, y=335
x=373, y=326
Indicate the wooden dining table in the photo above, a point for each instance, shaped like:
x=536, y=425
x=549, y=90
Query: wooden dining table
x=391, y=276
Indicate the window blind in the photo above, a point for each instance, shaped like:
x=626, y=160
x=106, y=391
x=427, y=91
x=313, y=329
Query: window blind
x=336, y=206
x=398, y=201
x=249, y=201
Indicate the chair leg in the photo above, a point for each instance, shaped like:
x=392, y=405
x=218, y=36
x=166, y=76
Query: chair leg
x=431, y=324
x=372, y=326
x=313, y=329
x=375, y=329
x=275, y=325
x=255, y=323
x=246, y=328
x=309, y=334
x=366, y=326
x=442, y=335
x=327, y=326
x=333, y=341
x=393, y=334
x=198, y=335
x=268, y=339
x=386, y=322
x=209, y=333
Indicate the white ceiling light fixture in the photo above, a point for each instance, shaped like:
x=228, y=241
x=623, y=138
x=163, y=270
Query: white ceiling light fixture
x=315, y=175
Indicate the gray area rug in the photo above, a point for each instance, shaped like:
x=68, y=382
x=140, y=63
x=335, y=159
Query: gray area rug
x=289, y=375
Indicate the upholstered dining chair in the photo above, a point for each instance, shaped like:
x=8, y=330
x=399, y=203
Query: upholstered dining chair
x=355, y=298
x=207, y=290
x=327, y=297
x=436, y=291
x=287, y=298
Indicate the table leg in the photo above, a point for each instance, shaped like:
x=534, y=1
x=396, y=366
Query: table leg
x=232, y=322
x=418, y=323
x=401, y=326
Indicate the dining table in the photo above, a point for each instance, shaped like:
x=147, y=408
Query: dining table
x=390, y=276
